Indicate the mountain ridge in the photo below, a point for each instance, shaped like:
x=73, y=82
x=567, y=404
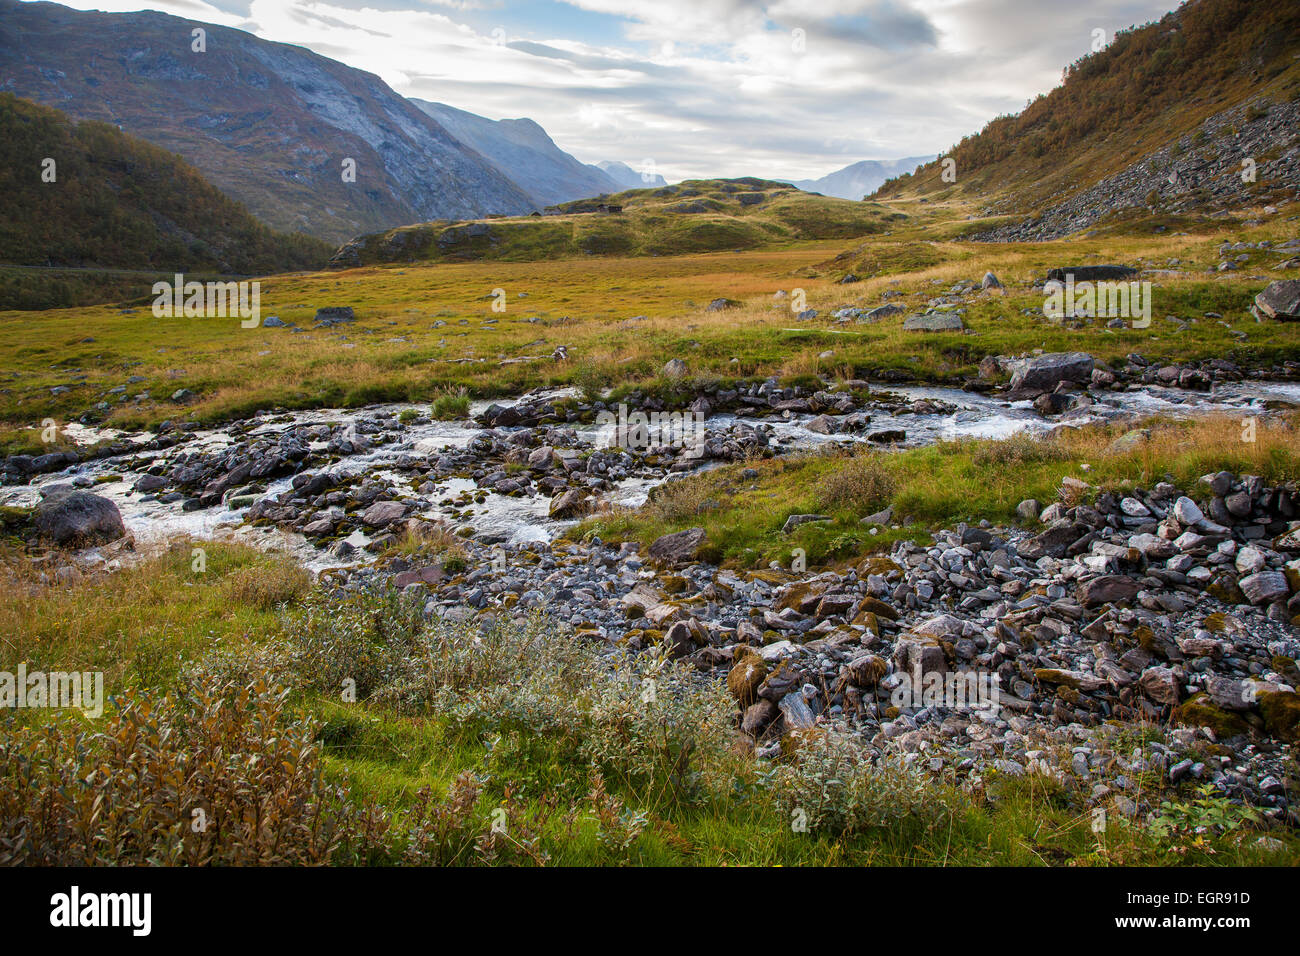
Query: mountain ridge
x=268, y=123
x=524, y=152
x=1159, y=114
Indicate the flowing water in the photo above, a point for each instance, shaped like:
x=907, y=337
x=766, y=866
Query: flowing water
x=523, y=519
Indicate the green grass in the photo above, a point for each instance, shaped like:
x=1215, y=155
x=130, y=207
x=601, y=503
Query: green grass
x=538, y=772
x=427, y=330
x=929, y=487
x=691, y=217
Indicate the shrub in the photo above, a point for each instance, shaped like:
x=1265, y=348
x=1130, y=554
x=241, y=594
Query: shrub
x=833, y=779
x=659, y=731
x=356, y=643
x=269, y=585
x=213, y=774
x=1019, y=450
x=648, y=724
x=863, y=484
x=451, y=406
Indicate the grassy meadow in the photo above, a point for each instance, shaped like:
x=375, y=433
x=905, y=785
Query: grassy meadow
x=511, y=743
x=423, y=330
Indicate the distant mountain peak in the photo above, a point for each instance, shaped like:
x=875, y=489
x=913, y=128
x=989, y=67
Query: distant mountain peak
x=628, y=178
x=524, y=152
x=861, y=178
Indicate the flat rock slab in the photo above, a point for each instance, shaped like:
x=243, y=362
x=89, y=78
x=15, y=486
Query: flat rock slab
x=933, y=322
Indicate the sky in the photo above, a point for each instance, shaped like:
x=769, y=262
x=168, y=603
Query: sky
x=704, y=88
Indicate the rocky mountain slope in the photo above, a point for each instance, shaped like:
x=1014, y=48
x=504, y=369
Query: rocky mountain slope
x=270, y=124
x=118, y=202
x=1158, y=122
x=523, y=151
x=629, y=178
x=860, y=179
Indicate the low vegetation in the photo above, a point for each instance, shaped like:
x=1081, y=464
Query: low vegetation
x=352, y=731
x=427, y=331
x=744, y=506
x=398, y=740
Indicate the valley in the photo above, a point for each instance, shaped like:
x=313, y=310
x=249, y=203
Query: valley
x=537, y=512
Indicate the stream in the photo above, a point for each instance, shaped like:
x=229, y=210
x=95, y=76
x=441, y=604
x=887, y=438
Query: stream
x=153, y=519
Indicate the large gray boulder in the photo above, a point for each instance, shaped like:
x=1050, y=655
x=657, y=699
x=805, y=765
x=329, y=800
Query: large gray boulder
x=1280, y=300
x=678, y=548
x=1045, y=372
x=70, y=517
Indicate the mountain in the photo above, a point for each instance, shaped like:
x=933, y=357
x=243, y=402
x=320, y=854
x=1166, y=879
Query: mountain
x=629, y=178
x=1160, y=123
x=270, y=124
x=523, y=151
x=111, y=201
x=700, y=215
x=860, y=179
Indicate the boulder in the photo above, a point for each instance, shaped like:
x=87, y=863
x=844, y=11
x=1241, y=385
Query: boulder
x=1264, y=587
x=1045, y=372
x=1160, y=684
x=72, y=517
x=568, y=505
x=933, y=322
x=795, y=521
x=1280, y=300
x=757, y=717
x=1053, y=542
x=679, y=547
x=383, y=513
x=1091, y=273
x=1108, y=589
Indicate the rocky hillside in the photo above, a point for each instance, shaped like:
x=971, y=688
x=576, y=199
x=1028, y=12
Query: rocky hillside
x=117, y=202
x=523, y=151
x=1159, y=121
x=860, y=179
x=268, y=123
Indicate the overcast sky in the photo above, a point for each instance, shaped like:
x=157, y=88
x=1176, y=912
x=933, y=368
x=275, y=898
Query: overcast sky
x=793, y=88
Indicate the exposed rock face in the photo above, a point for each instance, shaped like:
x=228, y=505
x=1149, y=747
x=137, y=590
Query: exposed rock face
x=523, y=152
x=1047, y=371
x=1280, y=300
x=625, y=177
x=862, y=178
x=1200, y=170
x=69, y=517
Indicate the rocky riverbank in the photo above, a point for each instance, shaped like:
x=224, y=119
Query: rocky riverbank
x=1137, y=636
x=1129, y=642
